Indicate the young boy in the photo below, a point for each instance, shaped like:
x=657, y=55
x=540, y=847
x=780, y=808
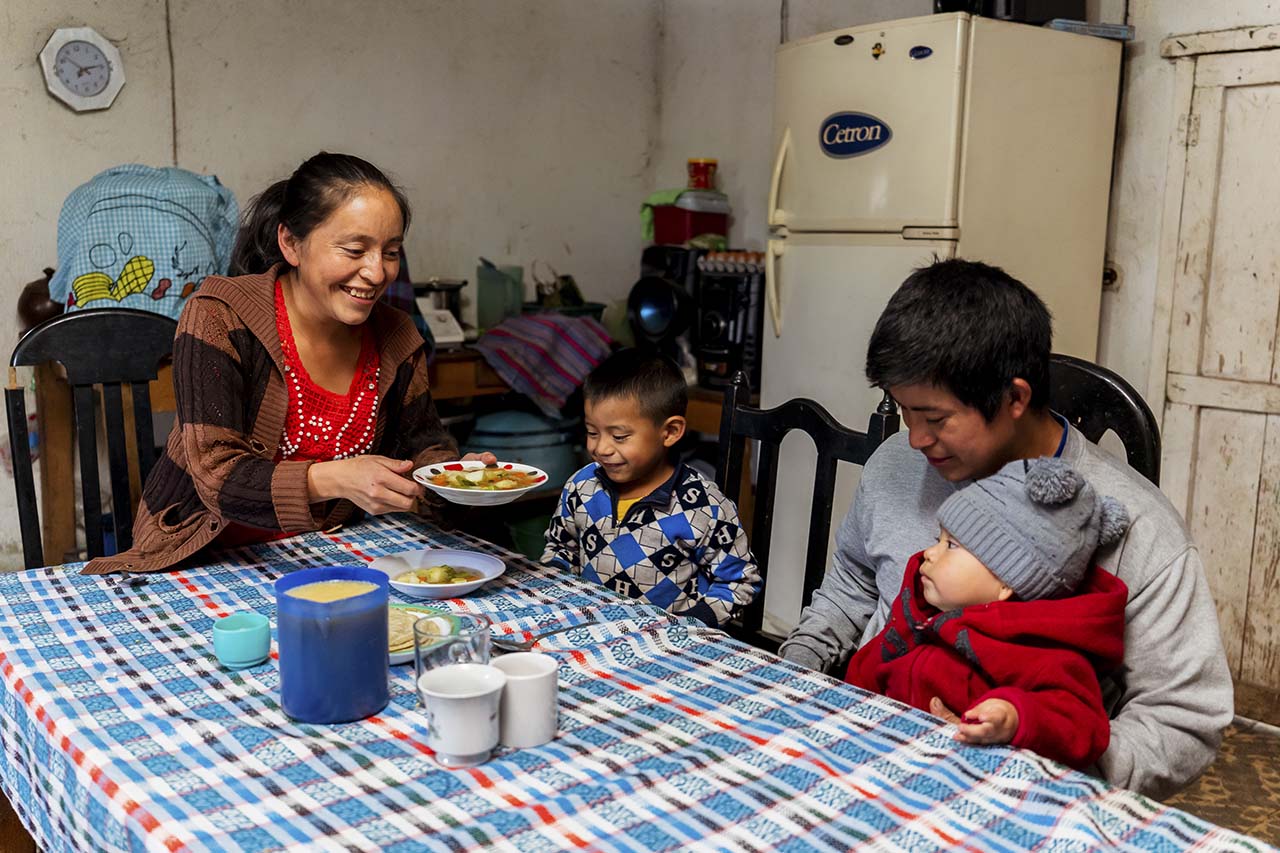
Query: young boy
x=635, y=520
x=1006, y=616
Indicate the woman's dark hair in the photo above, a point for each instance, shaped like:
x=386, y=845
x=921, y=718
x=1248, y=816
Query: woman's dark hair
x=967, y=327
x=314, y=191
x=648, y=376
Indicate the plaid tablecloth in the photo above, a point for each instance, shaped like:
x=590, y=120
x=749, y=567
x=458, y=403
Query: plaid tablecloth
x=121, y=731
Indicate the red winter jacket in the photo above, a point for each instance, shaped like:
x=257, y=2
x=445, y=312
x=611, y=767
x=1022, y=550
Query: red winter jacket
x=1040, y=656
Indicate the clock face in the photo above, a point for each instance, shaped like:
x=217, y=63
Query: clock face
x=83, y=68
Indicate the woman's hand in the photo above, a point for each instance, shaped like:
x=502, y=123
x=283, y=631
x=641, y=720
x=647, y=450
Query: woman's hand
x=376, y=484
x=991, y=721
x=486, y=457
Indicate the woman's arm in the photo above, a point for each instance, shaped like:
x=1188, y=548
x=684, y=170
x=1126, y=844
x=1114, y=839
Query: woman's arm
x=376, y=484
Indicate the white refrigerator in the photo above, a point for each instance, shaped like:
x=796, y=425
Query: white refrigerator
x=939, y=136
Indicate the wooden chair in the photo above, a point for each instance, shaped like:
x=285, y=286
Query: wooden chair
x=1095, y=400
x=110, y=347
x=769, y=426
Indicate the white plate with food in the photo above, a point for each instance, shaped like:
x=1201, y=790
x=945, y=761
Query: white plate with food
x=400, y=622
x=438, y=572
x=475, y=484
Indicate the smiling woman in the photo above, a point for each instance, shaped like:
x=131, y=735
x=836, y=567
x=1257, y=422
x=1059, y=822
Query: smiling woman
x=302, y=399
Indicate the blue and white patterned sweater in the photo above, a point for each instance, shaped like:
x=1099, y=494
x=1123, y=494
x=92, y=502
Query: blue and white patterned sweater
x=681, y=547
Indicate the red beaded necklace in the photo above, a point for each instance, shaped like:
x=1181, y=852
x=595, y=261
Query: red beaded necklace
x=319, y=424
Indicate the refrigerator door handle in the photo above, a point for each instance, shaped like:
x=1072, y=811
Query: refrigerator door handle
x=773, y=250
x=777, y=217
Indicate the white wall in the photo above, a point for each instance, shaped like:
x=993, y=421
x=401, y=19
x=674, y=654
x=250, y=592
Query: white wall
x=520, y=130
x=716, y=84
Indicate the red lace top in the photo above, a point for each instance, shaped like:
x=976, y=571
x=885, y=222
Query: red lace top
x=319, y=425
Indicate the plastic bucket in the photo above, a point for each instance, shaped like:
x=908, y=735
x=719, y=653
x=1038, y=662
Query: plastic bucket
x=333, y=654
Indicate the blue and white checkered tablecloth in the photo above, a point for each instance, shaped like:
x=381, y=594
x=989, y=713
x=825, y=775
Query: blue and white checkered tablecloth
x=121, y=731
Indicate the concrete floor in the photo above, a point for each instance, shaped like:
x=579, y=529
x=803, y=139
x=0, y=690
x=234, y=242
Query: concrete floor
x=1241, y=789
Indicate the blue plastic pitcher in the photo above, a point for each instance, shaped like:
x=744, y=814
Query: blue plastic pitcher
x=333, y=655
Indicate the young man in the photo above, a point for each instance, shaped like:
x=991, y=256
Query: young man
x=636, y=519
x=964, y=350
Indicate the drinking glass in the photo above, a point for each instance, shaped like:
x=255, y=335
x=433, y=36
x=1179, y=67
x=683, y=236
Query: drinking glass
x=458, y=689
x=468, y=644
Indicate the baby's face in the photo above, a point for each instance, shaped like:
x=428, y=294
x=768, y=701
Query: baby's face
x=952, y=578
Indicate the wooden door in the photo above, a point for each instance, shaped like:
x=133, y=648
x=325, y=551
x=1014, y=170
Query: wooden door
x=1217, y=340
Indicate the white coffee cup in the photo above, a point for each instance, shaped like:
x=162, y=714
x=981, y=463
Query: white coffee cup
x=462, y=702
x=530, y=708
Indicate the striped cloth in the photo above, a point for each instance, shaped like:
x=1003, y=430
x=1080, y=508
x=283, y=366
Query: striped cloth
x=545, y=356
x=121, y=732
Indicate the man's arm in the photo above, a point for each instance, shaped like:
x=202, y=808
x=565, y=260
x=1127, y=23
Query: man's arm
x=1177, y=695
x=832, y=624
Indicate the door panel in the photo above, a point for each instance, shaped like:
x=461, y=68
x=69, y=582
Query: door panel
x=1194, y=240
x=1244, y=273
x=1223, y=511
x=1177, y=450
x=1222, y=416
x=1261, y=658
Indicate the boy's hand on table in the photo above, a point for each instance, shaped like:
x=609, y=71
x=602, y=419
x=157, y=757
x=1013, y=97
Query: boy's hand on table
x=486, y=457
x=990, y=721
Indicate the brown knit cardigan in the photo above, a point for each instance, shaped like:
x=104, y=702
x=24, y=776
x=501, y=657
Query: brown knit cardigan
x=219, y=462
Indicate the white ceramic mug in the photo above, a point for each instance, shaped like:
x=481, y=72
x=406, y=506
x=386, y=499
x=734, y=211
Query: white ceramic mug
x=530, y=707
x=462, y=702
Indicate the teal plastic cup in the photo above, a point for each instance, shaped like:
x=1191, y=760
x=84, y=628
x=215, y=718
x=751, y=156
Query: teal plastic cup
x=242, y=640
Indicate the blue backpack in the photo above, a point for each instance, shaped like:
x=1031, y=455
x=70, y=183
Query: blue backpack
x=140, y=237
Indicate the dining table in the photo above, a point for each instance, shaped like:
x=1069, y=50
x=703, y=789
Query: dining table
x=121, y=731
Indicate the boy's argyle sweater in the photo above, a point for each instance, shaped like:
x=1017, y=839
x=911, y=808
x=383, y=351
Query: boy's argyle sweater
x=680, y=547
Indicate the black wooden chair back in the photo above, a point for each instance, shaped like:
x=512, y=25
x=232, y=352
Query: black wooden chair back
x=834, y=443
x=110, y=347
x=1095, y=400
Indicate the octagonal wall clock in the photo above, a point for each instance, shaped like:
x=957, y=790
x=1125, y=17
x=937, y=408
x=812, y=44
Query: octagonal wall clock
x=82, y=69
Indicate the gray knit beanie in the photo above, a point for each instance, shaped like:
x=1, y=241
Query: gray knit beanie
x=1035, y=524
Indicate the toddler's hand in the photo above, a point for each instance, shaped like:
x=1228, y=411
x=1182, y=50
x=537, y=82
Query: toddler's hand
x=990, y=721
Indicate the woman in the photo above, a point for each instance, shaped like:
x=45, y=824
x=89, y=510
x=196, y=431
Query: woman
x=300, y=397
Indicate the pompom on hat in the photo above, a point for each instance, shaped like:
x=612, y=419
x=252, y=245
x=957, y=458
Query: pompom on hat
x=1036, y=524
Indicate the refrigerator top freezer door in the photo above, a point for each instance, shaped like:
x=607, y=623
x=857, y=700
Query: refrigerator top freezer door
x=867, y=127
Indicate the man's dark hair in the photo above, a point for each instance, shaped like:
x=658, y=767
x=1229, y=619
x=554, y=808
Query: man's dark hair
x=965, y=326
x=652, y=378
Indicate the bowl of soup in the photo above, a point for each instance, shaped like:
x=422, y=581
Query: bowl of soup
x=476, y=484
x=438, y=572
